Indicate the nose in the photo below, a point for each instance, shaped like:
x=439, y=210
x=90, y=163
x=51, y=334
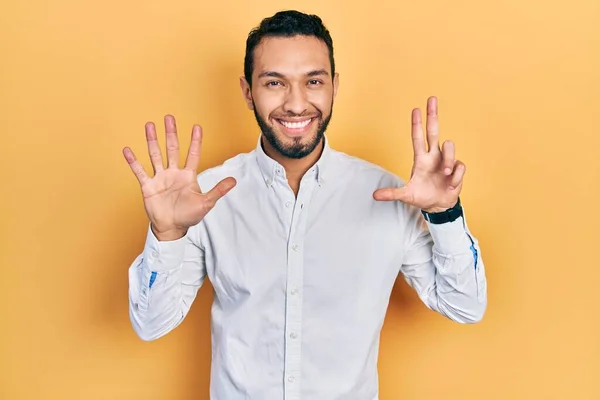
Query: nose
x=296, y=101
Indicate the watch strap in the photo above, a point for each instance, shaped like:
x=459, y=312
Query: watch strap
x=449, y=215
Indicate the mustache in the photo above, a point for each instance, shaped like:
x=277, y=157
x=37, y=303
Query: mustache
x=317, y=114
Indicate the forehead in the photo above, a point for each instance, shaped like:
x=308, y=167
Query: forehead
x=291, y=55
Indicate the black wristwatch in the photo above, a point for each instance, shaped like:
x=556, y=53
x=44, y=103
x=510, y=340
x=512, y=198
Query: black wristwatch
x=448, y=215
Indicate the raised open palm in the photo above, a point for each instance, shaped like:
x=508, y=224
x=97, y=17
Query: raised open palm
x=172, y=197
x=437, y=177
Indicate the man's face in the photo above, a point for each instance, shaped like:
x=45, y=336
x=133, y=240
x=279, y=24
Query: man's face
x=292, y=93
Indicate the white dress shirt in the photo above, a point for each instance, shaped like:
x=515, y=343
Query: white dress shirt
x=301, y=285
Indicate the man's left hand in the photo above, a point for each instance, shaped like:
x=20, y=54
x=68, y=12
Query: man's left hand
x=437, y=177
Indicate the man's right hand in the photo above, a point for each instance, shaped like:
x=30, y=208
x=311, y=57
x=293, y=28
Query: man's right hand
x=172, y=197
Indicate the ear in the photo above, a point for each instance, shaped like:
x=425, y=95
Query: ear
x=336, y=83
x=246, y=92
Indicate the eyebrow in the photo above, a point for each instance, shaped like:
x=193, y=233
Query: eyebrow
x=273, y=74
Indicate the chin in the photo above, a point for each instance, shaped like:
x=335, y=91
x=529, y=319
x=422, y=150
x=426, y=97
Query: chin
x=293, y=146
x=293, y=140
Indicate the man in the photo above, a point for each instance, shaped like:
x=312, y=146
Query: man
x=302, y=243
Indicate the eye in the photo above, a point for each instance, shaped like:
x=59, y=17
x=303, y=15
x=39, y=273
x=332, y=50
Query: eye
x=314, y=82
x=273, y=83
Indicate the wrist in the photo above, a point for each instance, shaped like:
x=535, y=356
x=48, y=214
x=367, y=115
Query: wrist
x=168, y=235
x=441, y=208
x=439, y=215
x=435, y=210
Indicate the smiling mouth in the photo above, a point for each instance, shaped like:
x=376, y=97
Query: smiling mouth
x=296, y=127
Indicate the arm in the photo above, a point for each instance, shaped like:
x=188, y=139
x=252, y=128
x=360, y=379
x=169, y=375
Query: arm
x=443, y=264
x=164, y=279
x=163, y=283
x=442, y=261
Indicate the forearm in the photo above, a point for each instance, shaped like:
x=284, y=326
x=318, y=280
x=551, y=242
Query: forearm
x=448, y=273
x=163, y=282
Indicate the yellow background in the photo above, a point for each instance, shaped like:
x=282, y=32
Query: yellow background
x=518, y=85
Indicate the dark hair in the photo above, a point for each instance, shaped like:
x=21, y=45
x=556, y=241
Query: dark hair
x=286, y=24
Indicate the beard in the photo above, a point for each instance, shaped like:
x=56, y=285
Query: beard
x=297, y=149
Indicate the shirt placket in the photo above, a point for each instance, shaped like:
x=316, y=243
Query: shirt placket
x=294, y=295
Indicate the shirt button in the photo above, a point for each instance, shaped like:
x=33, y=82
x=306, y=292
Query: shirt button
x=295, y=247
x=293, y=335
x=291, y=378
x=269, y=181
x=154, y=254
x=294, y=291
x=288, y=204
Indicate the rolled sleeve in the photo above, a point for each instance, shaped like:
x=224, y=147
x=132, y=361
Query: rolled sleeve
x=451, y=238
x=163, y=256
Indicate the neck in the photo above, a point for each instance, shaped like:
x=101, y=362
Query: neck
x=294, y=168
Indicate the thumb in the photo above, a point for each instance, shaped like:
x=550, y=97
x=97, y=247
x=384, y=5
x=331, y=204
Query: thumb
x=220, y=190
x=399, y=194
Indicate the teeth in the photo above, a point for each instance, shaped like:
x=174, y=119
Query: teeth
x=295, y=125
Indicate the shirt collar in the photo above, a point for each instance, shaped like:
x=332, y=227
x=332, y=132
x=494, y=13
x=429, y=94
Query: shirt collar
x=270, y=168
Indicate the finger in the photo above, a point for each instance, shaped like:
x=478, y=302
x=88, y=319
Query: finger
x=172, y=142
x=448, y=154
x=136, y=167
x=432, y=125
x=458, y=175
x=403, y=194
x=193, y=156
x=417, y=133
x=154, y=148
x=220, y=190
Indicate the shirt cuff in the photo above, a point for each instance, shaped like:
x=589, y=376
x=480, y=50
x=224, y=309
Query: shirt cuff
x=165, y=255
x=450, y=238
